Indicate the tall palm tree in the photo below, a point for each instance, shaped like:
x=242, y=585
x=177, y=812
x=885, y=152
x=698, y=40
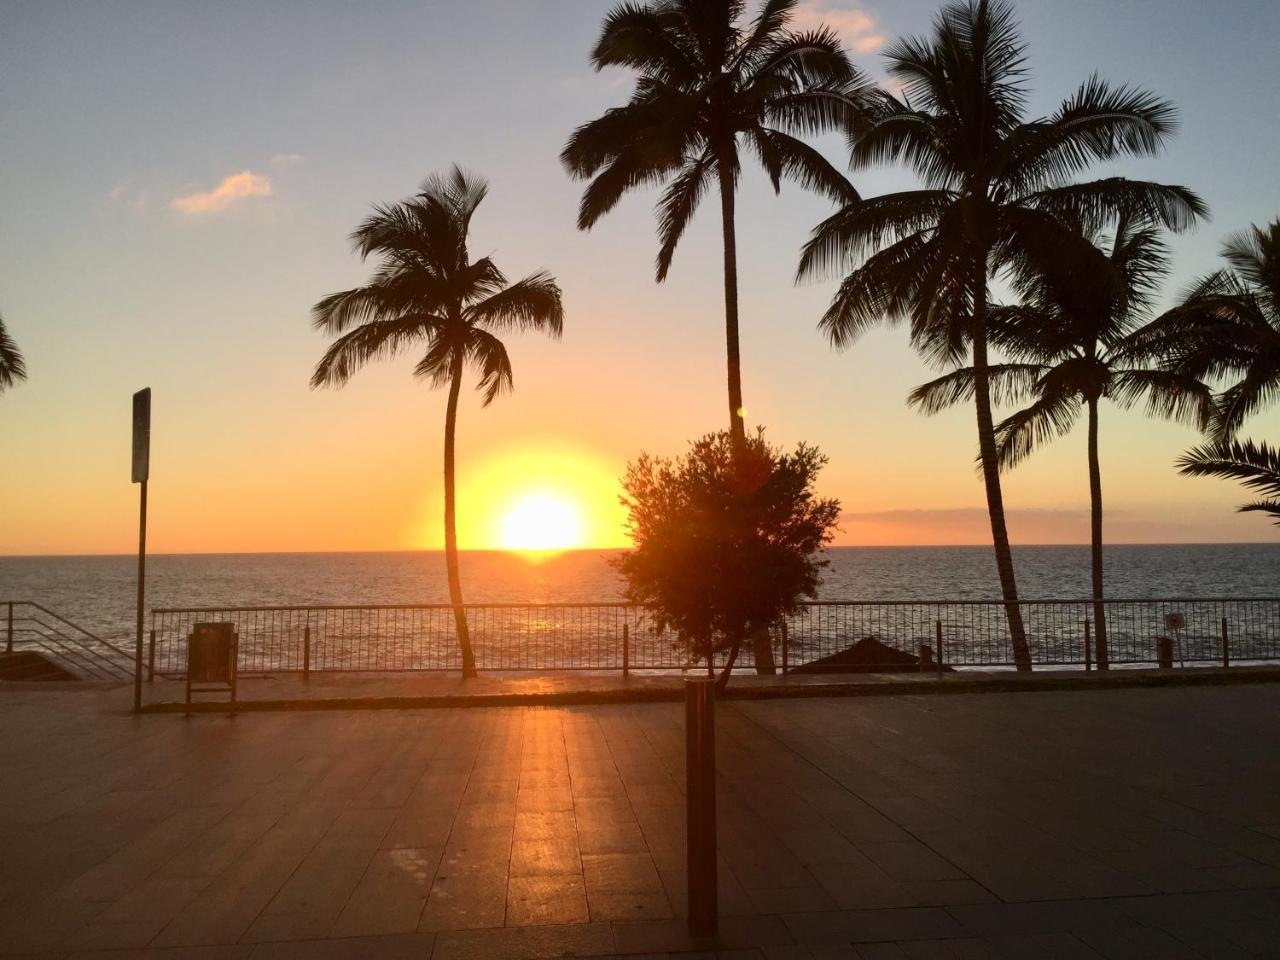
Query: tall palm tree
x=427, y=293
x=707, y=86
x=12, y=367
x=1228, y=326
x=1256, y=465
x=992, y=179
x=1077, y=338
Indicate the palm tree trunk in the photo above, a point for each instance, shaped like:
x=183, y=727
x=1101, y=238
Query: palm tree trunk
x=737, y=428
x=761, y=647
x=451, y=525
x=991, y=472
x=1095, y=523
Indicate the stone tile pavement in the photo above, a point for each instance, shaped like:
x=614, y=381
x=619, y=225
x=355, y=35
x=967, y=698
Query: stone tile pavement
x=1112, y=823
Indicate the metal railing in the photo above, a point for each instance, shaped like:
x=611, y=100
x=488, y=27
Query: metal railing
x=28, y=626
x=620, y=636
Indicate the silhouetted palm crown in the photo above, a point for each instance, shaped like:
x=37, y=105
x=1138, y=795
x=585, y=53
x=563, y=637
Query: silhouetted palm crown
x=12, y=366
x=992, y=179
x=1078, y=335
x=427, y=290
x=706, y=86
x=1228, y=327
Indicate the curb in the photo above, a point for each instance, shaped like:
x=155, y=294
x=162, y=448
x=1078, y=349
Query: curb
x=953, y=685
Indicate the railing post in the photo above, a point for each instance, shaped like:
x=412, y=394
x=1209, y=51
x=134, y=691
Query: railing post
x=306, y=652
x=626, y=651
x=700, y=774
x=1226, y=653
x=786, y=648
x=8, y=642
x=937, y=633
x=151, y=656
x=1088, y=648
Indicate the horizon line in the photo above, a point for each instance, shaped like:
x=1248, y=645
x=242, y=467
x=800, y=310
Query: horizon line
x=545, y=553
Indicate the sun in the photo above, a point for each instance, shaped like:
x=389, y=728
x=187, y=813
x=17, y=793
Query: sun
x=541, y=521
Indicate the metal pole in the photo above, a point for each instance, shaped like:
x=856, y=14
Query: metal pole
x=626, y=650
x=1226, y=653
x=1088, y=649
x=306, y=652
x=937, y=630
x=151, y=655
x=786, y=648
x=142, y=595
x=700, y=773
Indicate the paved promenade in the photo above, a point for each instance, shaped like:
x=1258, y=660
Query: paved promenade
x=1115, y=823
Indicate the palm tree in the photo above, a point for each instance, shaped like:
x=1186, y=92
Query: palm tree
x=707, y=86
x=426, y=292
x=1256, y=465
x=12, y=367
x=992, y=180
x=1228, y=326
x=1075, y=339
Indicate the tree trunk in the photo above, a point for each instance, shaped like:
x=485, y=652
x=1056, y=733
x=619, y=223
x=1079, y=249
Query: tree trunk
x=737, y=428
x=991, y=472
x=451, y=526
x=1095, y=518
x=723, y=680
x=761, y=648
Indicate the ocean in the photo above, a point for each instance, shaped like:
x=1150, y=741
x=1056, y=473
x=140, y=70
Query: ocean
x=98, y=591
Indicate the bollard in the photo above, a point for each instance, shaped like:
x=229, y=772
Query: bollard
x=151, y=657
x=1088, y=649
x=700, y=794
x=786, y=649
x=306, y=652
x=626, y=651
x=8, y=643
x=1164, y=652
x=937, y=633
x=1226, y=653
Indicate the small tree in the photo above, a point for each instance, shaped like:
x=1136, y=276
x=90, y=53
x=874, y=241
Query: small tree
x=725, y=545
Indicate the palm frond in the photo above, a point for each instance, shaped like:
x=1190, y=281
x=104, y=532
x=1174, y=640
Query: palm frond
x=1021, y=434
x=644, y=37
x=1255, y=465
x=1099, y=202
x=785, y=156
x=12, y=366
x=677, y=206
x=530, y=304
x=1009, y=383
x=496, y=377
x=1172, y=396
x=848, y=235
x=372, y=340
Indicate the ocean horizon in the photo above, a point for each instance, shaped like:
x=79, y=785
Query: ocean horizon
x=98, y=591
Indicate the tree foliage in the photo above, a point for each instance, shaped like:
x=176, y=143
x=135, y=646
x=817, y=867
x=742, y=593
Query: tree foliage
x=709, y=84
x=1255, y=465
x=725, y=542
x=1227, y=328
x=12, y=367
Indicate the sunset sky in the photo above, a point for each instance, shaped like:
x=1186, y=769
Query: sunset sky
x=179, y=181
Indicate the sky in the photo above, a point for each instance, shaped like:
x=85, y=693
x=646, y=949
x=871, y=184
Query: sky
x=179, y=181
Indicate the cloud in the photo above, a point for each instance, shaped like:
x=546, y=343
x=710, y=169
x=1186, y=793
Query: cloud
x=237, y=186
x=116, y=194
x=853, y=25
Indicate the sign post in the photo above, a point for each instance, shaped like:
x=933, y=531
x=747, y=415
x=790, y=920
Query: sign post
x=141, y=472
